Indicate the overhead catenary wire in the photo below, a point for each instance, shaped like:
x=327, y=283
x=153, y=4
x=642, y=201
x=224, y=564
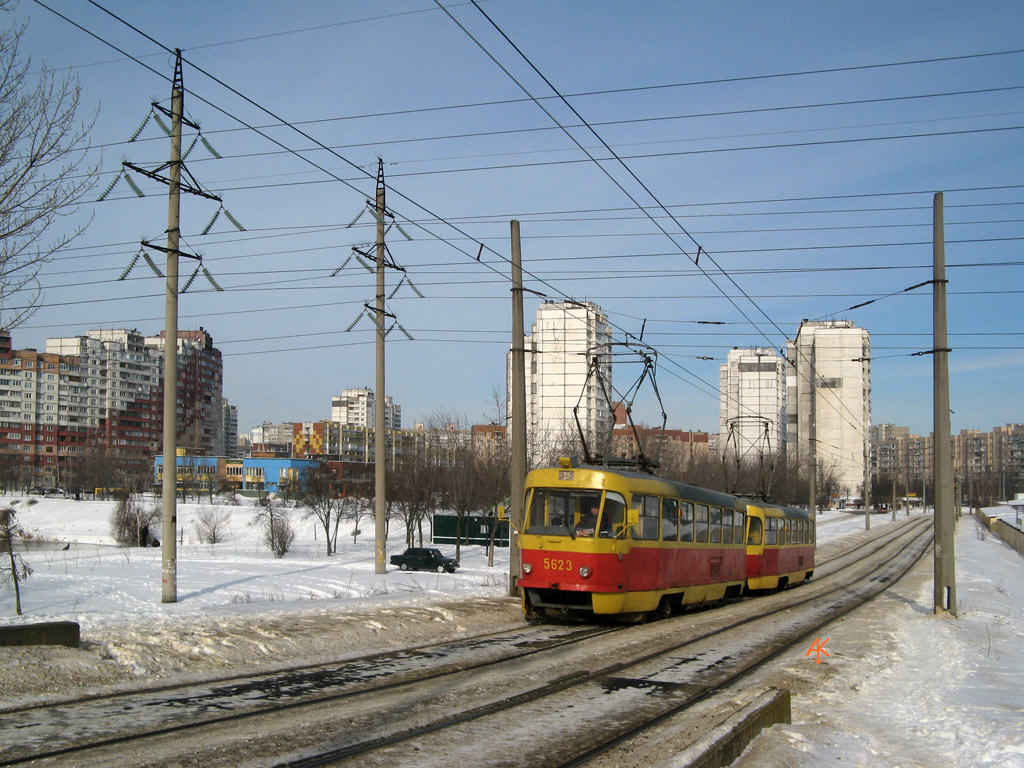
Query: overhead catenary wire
x=621, y=163
x=382, y=142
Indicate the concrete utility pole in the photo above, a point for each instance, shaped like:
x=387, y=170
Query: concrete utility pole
x=518, y=396
x=867, y=483
x=169, y=547
x=945, y=524
x=380, y=452
x=169, y=567
x=893, y=510
x=813, y=431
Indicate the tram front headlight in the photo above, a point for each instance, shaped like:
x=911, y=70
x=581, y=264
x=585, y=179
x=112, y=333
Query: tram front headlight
x=527, y=568
x=585, y=571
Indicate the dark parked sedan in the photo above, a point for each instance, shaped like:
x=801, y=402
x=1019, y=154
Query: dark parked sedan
x=424, y=559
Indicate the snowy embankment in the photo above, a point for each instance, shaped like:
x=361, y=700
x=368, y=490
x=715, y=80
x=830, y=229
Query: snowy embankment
x=904, y=687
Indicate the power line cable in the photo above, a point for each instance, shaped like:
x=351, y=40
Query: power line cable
x=629, y=171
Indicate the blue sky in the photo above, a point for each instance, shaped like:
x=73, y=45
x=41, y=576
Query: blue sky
x=812, y=190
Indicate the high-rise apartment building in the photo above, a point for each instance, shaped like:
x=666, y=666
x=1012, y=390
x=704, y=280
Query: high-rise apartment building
x=229, y=431
x=829, y=398
x=101, y=395
x=123, y=393
x=200, y=390
x=753, y=403
x=566, y=338
x=357, y=408
x=43, y=420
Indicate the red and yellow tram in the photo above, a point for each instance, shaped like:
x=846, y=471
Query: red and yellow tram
x=604, y=541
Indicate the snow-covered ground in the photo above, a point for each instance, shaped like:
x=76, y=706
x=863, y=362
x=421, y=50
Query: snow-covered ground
x=900, y=687
x=97, y=583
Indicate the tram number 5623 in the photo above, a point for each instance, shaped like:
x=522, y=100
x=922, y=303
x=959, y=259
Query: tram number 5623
x=556, y=564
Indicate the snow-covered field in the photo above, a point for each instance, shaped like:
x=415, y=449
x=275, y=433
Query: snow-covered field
x=96, y=583
x=900, y=688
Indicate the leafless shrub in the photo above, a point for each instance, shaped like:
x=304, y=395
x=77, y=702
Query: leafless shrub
x=277, y=528
x=212, y=525
x=13, y=570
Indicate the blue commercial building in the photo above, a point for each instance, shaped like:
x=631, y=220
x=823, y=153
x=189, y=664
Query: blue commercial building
x=246, y=474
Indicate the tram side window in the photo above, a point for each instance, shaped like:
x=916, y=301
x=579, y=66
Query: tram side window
x=669, y=519
x=716, y=525
x=727, y=526
x=702, y=523
x=802, y=528
x=686, y=521
x=649, y=518
x=613, y=515
x=739, y=524
x=648, y=508
x=773, y=530
x=754, y=534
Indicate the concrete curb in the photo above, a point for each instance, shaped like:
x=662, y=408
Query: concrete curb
x=47, y=633
x=722, y=745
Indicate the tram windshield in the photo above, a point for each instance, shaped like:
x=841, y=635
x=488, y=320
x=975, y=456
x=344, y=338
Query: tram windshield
x=557, y=512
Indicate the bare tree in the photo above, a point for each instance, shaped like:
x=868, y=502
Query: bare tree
x=130, y=521
x=498, y=407
x=354, y=508
x=212, y=524
x=10, y=471
x=320, y=493
x=18, y=570
x=413, y=491
x=43, y=173
x=98, y=469
x=277, y=528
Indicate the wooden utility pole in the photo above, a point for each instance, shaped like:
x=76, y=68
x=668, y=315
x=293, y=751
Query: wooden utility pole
x=380, y=449
x=518, y=396
x=945, y=524
x=169, y=487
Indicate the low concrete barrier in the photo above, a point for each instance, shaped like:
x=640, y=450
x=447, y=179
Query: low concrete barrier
x=47, y=633
x=722, y=745
x=1006, y=532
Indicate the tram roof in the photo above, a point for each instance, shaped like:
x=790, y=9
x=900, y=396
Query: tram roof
x=697, y=493
x=686, y=491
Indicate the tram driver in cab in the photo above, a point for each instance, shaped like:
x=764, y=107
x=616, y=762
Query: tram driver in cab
x=590, y=512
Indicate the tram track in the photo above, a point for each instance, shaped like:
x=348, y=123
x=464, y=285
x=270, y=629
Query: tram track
x=197, y=705
x=715, y=672
x=417, y=707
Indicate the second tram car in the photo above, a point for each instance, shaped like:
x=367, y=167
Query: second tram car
x=780, y=546
x=604, y=541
